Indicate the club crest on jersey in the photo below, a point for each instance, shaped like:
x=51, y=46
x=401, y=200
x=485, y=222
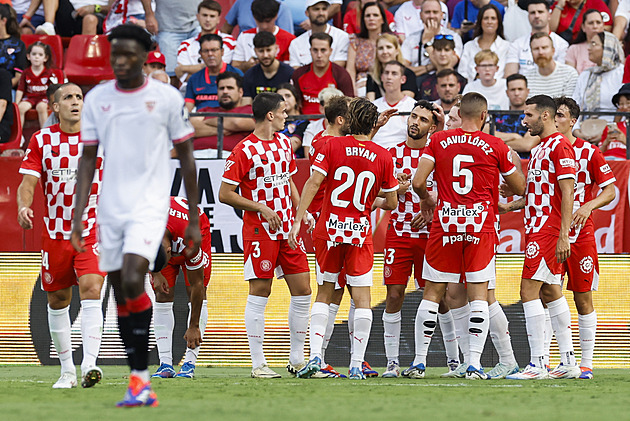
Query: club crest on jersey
x=106, y=108
x=45, y=79
x=150, y=105
x=265, y=265
x=532, y=250
x=586, y=264
x=387, y=271
x=47, y=278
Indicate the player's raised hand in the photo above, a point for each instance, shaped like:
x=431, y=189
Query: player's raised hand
x=440, y=117
x=384, y=117
x=76, y=238
x=293, y=234
x=563, y=249
x=271, y=217
x=193, y=337
x=581, y=216
x=192, y=238
x=25, y=218
x=419, y=221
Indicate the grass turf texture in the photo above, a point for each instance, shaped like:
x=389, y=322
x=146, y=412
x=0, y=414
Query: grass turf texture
x=230, y=394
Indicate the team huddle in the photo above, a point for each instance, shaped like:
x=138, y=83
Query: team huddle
x=442, y=187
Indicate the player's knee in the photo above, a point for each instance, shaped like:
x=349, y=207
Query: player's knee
x=41, y=107
x=59, y=299
x=394, y=299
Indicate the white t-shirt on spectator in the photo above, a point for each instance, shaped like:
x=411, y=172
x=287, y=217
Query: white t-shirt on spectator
x=521, y=53
x=80, y=3
x=188, y=53
x=312, y=129
x=560, y=82
x=411, y=45
x=395, y=131
x=300, y=48
x=407, y=18
x=495, y=94
x=467, y=61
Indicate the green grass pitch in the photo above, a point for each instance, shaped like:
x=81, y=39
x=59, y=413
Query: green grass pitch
x=230, y=394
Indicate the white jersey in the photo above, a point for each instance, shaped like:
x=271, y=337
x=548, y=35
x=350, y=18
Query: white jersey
x=300, y=48
x=407, y=18
x=520, y=52
x=395, y=131
x=136, y=130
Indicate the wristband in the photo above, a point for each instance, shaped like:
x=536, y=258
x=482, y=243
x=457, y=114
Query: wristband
x=28, y=18
x=97, y=8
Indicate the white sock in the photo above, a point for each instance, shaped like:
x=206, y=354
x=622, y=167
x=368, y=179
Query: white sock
x=59, y=326
x=91, y=331
x=426, y=320
x=298, y=326
x=362, y=327
x=143, y=374
x=535, y=325
x=333, y=309
x=548, y=336
x=478, y=330
x=255, y=327
x=561, y=322
x=391, y=335
x=588, y=326
x=192, y=354
x=163, y=324
x=319, y=321
x=449, y=336
x=460, y=318
x=500, y=334
x=351, y=311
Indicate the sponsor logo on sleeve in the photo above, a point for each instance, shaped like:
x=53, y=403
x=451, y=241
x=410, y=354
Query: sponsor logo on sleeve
x=567, y=163
x=228, y=165
x=319, y=158
x=605, y=168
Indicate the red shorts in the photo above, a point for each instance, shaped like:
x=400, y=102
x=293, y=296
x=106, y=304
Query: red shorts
x=401, y=255
x=582, y=266
x=177, y=263
x=35, y=100
x=357, y=262
x=449, y=256
x=541, y=263
x=263, y=257
x=62, y=265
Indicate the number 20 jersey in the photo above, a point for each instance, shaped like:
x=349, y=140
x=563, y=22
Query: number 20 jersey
x=355, y=173
x=467, y=166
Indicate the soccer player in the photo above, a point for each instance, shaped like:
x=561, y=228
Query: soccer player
x=136, y=121
x=53, y=156
x=262, y=165
x=197, y=270
x=548, y=209
x=466, y=164
x=358, y=170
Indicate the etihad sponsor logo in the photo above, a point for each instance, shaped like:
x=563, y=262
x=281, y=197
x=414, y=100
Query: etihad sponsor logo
x=64, y=174
x=277, y=179
x=459, y=238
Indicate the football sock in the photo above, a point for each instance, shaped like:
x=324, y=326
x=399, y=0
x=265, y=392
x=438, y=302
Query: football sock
x=298, y=326
x=124, y=329
x=192, y=354
x=163, y=324
x=140, y=313
x=460, y=318
x=391, y=335
x=548, y=336
x=255, y=327
x=588, y=326
x=500, y=334
x=143, y=374
x=59, y=326
x=561, y=322
x=351, y=325
x=333, y=309
x=478, y=330
x=535, y=325
x=91, y=331
x=362, y=327
x=426, y=320
x=319, y=320
x=449, y=336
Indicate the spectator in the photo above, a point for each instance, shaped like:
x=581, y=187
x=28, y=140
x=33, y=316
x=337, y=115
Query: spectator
x=614, y=139
x=387, y=49
x=177, y=22
x=354, y=11
x=160, y=75
x=441, y=57
x=620, y=24
x=448, y=89
x=155, y=61
x=30, y=15
x=417, y=46
x=319, y=125
x=123, y=11
x=301, y=25
x=407, y=18
x=12, y=50
x=465, y=15
x=488, y=36
x=294, y=128
x=270, y=72
x=596, y=85
x=80, y=17
x=489, y=84
x=549, y=77
x=188, y=58
x=235, y=129
x=395, y=130
x=6, y=106
x=201, y=91
x=265, y=13
x=453, y=119
x=241, y=14
x=299, y=51
x=312, y=78
x=53, y=117
x=363, y=45
x=519, y=57
x=577, y=54
x=31, y=91
x=563, y=11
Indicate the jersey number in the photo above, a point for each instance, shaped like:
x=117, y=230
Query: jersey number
x=45, y=264
x=458, y=172
x=363, y=183
x=256, y=252
x=389, y=256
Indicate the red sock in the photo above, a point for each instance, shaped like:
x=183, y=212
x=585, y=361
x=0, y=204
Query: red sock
x=123, y=311
x=139, y=304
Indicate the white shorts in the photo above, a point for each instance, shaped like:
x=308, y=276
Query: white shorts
x=133, y=237
x=487, y=274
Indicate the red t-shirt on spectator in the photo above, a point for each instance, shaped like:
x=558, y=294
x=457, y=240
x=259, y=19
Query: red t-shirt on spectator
x=566, y=15
x=229, y=141
x=35, y=86
x=310, y=85
x=352, y=26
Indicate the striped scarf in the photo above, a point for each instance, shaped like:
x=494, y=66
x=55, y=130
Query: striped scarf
x=611, y=58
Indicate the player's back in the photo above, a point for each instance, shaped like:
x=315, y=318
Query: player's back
x=316, y=146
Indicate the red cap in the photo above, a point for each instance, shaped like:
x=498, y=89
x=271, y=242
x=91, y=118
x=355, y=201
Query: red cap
x=156, y=57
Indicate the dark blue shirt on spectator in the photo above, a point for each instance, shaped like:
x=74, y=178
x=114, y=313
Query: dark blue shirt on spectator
x=256, y=82
x=202, y=87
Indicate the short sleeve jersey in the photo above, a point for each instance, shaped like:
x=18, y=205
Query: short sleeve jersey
x=176, y=226
x=245, y=45
x=319, y=140
x=262, y=169
x=355, y=172
x=188, y=51
x=35, y=86
x=202, y=89
x=552, y=160
x=53, y=156
x=467, y=167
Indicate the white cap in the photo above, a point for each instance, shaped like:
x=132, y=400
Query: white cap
x=310, y=3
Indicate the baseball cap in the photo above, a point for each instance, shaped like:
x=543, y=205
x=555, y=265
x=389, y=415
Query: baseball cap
x=310, y=3
x=156, y=57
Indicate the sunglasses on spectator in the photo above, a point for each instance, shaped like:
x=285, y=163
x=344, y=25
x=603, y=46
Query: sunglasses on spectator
x=442, y=36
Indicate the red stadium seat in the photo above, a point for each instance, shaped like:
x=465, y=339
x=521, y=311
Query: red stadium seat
x=54, y=41
x=87, y=60
x=16, y=131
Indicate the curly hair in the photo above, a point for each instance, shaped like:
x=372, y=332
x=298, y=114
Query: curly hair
x=362, y=117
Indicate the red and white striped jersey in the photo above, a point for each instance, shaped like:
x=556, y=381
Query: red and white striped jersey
x=53, y=156
x=552, y=160
x=176, y=226
x=263, y=169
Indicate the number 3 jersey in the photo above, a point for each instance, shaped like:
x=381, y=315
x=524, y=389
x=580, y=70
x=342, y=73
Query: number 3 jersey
x=355, y=173
x=467, y=166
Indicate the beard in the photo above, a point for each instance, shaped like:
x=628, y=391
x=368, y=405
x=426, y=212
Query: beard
x=227, y=105
x=419, y=134
x=536, y=128
x=543, y=61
